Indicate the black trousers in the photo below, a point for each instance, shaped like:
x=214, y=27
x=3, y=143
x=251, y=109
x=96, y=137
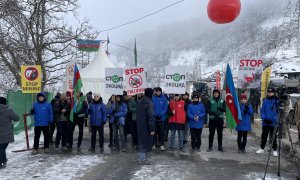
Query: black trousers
x=61, y=134
x=111, y=133
x=94, y=130
x=80, y=122
x=242, y=139
x=196, y=138
x=159, y=135
x=51, y=130
x=134, y=135
x=266, y=130
x=37, y=134
x=213, y=126
x=3, y=159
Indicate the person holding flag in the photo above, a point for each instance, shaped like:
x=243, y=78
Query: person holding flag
x=216, y=121
x=79, y=108
x=244, y=125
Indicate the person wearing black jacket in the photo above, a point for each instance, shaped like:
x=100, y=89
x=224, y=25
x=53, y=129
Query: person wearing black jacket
x=206, y=102
x=54, y=103
x=186, y=133
x=145, y=125
x=62, y=122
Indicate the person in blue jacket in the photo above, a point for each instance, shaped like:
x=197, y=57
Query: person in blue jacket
x=244, y=125
x=97, y=111
x=269, y=114
x=43, y=116
x=160, y=105
x=118, y=112
x=196, y=113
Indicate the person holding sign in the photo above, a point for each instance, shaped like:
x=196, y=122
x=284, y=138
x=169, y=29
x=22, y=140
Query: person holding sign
x=160, y=105
x=196, y=113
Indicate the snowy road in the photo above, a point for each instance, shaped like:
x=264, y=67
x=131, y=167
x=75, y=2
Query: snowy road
x=164, y=165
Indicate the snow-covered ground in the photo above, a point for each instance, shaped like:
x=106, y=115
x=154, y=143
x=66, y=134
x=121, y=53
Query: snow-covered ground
x=23, y=165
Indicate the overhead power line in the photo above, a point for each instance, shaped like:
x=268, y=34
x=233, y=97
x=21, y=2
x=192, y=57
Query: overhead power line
x=153, y=55
x=138, y=19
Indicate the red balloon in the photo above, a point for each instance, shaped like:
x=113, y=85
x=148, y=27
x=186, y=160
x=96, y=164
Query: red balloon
x=223, y=11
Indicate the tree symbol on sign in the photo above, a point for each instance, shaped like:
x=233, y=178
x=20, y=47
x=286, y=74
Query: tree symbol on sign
x=176, y=77
x=115, y=79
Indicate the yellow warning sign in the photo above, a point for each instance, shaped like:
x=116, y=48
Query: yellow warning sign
x=31, y=79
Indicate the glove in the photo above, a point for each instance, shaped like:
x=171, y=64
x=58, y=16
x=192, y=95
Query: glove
x=246, y=109
x=32, y=111
x=157, y=118
x=267, y=121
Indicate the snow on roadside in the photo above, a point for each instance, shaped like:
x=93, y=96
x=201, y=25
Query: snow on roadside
x=259, y=176
x=23, y=165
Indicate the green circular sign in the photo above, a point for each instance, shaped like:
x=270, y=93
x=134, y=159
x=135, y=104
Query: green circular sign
x=176, y=77
x=115, y=79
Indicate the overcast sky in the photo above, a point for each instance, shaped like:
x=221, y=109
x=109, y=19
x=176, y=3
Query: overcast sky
x=104, y=14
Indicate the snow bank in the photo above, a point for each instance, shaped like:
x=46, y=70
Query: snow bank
x=25, y=166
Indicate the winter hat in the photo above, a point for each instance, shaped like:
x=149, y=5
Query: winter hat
x=3, y=100
x=63, y=97
x=124, y=93
x=158, y=89
x=216, y=90
x=149, y=92
x=271, y=90
x=68, y=93
x=195, y=96
x=243, y=96
x=97, y=94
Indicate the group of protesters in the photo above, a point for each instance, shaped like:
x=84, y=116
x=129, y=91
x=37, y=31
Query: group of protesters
x=151, y=118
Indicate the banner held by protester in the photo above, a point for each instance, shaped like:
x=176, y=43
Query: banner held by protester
x=135, y=80
x=114, y=81
x=175, y=79
x=31, y=79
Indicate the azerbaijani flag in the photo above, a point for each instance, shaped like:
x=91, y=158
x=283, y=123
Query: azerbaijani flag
x=88, y=45
x=233, y=111
x=77, y=85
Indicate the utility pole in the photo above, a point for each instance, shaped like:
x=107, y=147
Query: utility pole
x=135, y=54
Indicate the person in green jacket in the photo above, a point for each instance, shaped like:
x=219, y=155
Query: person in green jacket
x=216, y=119
x=132, y=109
x=78, y=120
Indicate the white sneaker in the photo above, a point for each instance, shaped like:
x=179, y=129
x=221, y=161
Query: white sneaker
x=275, y=154
x=154, y=148
x=260, y=151
x=162, y=148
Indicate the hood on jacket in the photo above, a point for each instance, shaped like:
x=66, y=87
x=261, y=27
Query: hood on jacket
x=2, y=108
x=40, y=94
